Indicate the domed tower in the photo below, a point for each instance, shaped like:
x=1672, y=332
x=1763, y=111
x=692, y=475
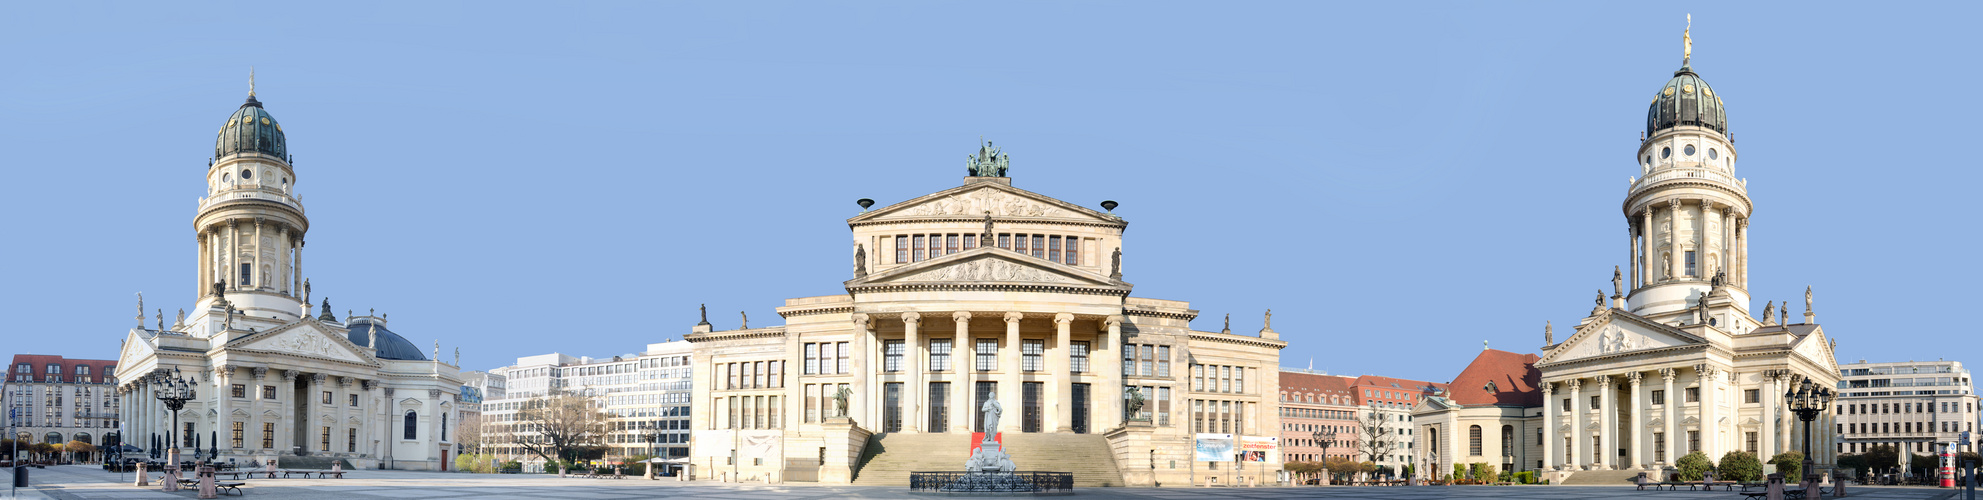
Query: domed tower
x=1687, y=213
x=250, y=224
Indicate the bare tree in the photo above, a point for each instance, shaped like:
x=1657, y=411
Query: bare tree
x=470, y=433
x=1375, y=436
x=555, y=425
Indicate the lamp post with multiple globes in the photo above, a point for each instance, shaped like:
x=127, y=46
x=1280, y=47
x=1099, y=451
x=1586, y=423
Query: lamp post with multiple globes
x=1809, y=400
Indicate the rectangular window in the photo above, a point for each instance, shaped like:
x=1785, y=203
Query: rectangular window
x=1128, y=359
x=891, y=407
x=1053, y=248
x=1659, y=447
x=1566, y=405
x=1148, y=354
x=327, y=397
x=1693, y=395
x=918, y=249
x=1690, y=264
x=186, y=438
x=953, y=244
x=1239, y=379
x=1039, y=245
x=1078, y=358
x=1073, y=257
x=351, y=441
x=940, y=355
x=757, y=375
x=354, y=400
x=268, y=435
x=268, y=392
x=1659, y=396
x=1164, y=361
x=844, y=359
x=1030, y=351
x=1005, y=241
x=1198, y=377
x=939, y=407
x=1693, y=441
x=891, y=355
x=1752, y=396
x=970, y=241
x=1750, y=437
x=324, y=442
x=1594, y=405
x=247, y=271
x=987, y=355
x=812, y=403
x=1031, y=400
x=812, y=358
x=237, y=433
x=1163, y=406
x=1225, y=379
x=1019, y=244
x=901, y=250
x=239, y=391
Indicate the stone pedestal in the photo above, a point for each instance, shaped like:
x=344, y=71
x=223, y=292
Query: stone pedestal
x=142, y=480
x=207, y=487
x=844, y=443
x=1134, y=453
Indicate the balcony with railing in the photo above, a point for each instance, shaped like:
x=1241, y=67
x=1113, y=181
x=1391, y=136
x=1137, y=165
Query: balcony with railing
x=1674, y=174
x=253, y=192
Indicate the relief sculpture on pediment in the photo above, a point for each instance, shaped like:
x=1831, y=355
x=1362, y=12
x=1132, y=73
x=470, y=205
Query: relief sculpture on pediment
x=302, y=343
x=988, y=270
x=978, y=202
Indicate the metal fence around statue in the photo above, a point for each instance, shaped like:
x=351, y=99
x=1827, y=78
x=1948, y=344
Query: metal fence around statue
x=1021, y=481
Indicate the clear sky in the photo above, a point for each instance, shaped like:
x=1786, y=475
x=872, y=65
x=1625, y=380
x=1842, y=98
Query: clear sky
x=1399, y=183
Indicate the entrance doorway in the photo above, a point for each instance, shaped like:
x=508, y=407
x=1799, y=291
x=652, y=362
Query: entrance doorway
x=1080, y=408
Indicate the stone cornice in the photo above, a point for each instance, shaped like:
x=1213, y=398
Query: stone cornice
x=1187, y=315
x=1238, y=339
x=999, y=287
x=1648, y=195
x=755, y=333
x=1118, y=225
x=1579, y=362
x=813, y=311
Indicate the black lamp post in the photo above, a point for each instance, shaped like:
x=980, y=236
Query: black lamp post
x=1320, y=442
x=174, y=393
x=1809, y=400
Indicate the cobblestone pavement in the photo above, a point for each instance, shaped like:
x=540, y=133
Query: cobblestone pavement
x=89, y=483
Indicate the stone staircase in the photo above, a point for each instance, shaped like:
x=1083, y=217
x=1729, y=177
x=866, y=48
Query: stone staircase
x=1602, y=477
x=891, y=457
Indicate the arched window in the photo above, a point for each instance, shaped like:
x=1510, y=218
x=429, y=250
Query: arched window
x=1473, y=441
x=412, y=425
x=84, y=437
x=52, y=438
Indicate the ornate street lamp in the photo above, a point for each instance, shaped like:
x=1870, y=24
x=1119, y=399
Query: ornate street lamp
x=1809, y=400
x=175, y=392
x=1321, y=441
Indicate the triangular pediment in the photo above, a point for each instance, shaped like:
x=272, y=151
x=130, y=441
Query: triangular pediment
x=1815, y=347
x=973, y=200
x=1618, y=332
x=985, y=265
x=135, y=352
x=307, y=338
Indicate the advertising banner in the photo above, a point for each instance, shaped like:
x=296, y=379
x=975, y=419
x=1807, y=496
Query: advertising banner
x=1256, y=448
x=1214, y=448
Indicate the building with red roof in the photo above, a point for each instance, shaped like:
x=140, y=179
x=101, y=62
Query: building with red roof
x=56, y=400
x=1318, y=416
x=1484, y=416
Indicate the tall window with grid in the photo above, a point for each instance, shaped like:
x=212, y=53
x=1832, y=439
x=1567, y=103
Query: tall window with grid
x=918, y=249
x=901, y=250
x=1148, y=366
x=1031, y=351
x=812, y=358
x=953, y=244
x=1078, y=356
x=1019, y=243
x=1073, y=255
x=1053, y=248
x=987, y=356
x=1164, y=361
x=891, y=355
x=844, y=358
x=1039, y=245
x=237, y=433
x=940, y=355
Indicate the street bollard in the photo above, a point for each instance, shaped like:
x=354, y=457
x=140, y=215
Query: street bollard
x=142, y=481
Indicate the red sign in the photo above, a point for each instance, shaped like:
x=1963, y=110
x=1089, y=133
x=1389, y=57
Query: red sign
x=979, y=437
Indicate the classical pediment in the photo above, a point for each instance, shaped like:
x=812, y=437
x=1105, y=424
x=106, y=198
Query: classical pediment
x=987, y=265
x=1656, y=422
x=1690, y=420
x=974, y=200
x=305, y=338
x=1618, y=333
x=1815, y=347
x=136, y=350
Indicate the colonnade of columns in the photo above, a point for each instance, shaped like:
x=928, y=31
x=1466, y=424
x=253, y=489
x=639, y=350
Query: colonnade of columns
x=1056, y=374
x=221, y=256
x=1596, y=449
x=1655, y=259
x=146, y=416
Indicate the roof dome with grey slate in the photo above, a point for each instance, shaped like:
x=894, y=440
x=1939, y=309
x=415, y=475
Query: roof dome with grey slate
x=251, y=130
x=391, y=345
x=1686, y=100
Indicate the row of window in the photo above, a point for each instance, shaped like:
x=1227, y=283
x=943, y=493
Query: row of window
x=1659, y=398
x=1147, y=360
x=1315, y=398
x=749, y=412
x=56, y=369
x=920, y=247
x=1223, y=417
x=1218, y=378
x=750, y=375
x=1916, y=407
x=819, y=401
x=1313, y=413
x=1905, y=427
x=827, y=358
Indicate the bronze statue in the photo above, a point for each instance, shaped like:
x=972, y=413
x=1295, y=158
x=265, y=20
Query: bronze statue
x=1135, y=405
x=705, y=315
x=840, y=401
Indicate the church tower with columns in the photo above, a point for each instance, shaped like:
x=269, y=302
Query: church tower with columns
x=250, y=224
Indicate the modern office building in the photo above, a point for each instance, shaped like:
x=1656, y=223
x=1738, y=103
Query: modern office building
x=1909, y=405
x=645, y=395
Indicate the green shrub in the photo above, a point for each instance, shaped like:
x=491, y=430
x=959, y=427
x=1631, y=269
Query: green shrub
x=1741, y=466
x=1790, y=464
x=1459, y=471
x=1694, y=466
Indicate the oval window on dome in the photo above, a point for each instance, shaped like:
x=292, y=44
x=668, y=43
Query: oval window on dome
x=1712, y=155
x=1688, y=88
x=247, y=174
x=1665, y=153
x=265, y=120
x=1669, y=91
x=1707, y=91
x=226, y=178
x=1689, y=151
x=278, y=127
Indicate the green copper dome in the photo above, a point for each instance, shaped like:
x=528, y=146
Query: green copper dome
x=251, y=130
x=1686, y=100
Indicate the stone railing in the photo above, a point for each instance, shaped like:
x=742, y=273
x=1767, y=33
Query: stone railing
x=269, y=194
x=1688, y=173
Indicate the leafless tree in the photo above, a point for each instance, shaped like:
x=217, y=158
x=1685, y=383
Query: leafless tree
x=1375, y=435
x=554, y=425
x=470, y=433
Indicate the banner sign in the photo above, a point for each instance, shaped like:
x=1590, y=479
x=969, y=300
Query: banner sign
x=1256, y=448
x=1214, y=447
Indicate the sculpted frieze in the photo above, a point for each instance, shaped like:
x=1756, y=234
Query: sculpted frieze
x=988, y=270
x=999, y=203
x=302, y=342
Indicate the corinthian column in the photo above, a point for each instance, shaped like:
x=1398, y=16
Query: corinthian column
x=1639, y=459
x=256, y=278
x=1549, y=419
x=912, y=387
x=1672, y=407
x=1577, y=433
x=1063, y=386
x=1769, y=389
x=1107, y=359
x=1607, y=423
x=1674, y=270
x=859, y=407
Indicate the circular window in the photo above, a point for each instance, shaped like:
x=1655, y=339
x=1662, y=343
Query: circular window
x=226, y=178
x=247, y=174
x=1690, y=150
x=1712, y=154
x=1665, y=153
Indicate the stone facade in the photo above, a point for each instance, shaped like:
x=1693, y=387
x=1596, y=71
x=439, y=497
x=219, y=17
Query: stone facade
x=983, y=291
x=272, y=379
x=57, y=400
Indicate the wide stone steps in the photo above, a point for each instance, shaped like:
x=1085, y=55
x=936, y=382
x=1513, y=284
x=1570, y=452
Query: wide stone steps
x=891, y=457
x=1602, y=477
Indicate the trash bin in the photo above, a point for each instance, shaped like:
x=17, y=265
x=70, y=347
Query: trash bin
x=20, y=476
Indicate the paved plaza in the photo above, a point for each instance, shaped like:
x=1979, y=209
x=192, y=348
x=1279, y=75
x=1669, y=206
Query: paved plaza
x=88, y=483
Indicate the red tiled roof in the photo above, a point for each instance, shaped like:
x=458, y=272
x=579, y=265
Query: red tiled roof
x=38, y=367
x=1295, y=383
x=1514, y=376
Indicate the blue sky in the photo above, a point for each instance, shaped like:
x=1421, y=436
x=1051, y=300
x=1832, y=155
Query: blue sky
x=1399, y=182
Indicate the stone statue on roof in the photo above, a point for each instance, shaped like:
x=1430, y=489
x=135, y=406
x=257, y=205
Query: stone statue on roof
x=1548, y=333
x=1617, y=281
x=860, y=260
